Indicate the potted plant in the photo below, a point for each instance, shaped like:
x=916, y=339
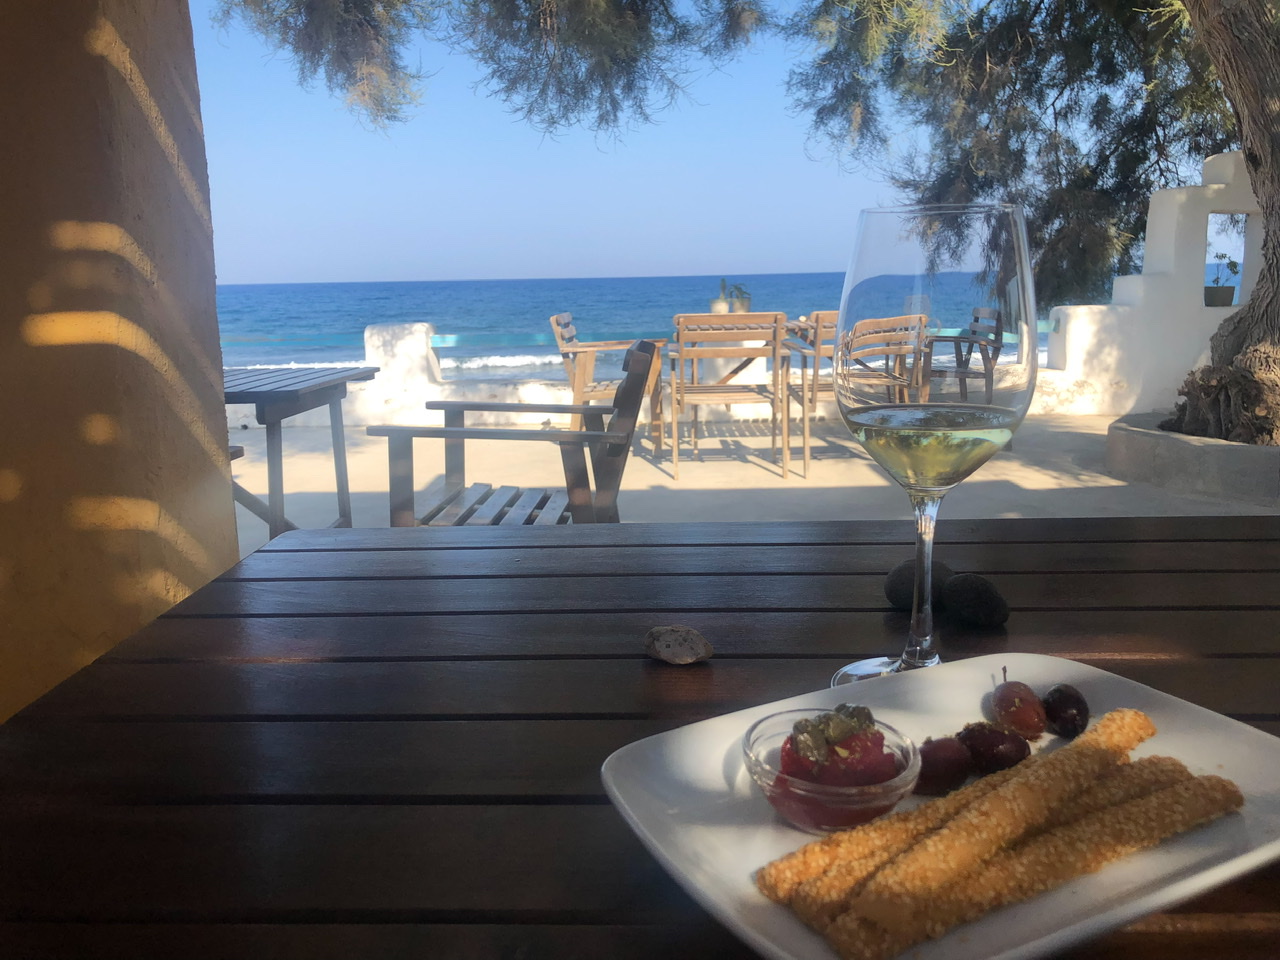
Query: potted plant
x=1220, y=293
x=739, y=299
x=721, y=303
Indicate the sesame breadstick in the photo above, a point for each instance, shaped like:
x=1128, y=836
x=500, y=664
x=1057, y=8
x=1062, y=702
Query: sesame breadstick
x=996, y=820
x=885, y=837
x=1043, y=863
x=1086, y=846
x=819, y=900
x=1128, y=782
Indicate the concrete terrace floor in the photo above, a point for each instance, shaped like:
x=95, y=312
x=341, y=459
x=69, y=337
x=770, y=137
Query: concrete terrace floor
x=1055, y=469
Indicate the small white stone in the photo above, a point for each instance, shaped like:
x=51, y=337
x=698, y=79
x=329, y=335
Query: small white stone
x=677, y=644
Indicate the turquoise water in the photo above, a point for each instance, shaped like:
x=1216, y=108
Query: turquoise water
x=494, y=328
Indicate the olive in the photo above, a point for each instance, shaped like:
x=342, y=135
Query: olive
x=1017, y=707
x=944, y=765
x=993, y=748
x=1065, y=710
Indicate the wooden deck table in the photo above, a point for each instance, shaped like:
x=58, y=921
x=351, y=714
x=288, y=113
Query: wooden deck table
x=277, y=394
x=387, y=743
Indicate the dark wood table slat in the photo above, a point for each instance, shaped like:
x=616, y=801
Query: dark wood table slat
x=448, y=761
x=383, y=865
x=987, y=559
x=674, y=592
x=369, y=941
x=1063, y=632
x=241, y=863
x=1165, y=937
x=146, y=761
x=540, y=688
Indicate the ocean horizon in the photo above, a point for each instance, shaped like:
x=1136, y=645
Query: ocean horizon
x=487, y=329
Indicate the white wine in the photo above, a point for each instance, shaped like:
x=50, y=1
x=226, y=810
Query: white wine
x=931, y=446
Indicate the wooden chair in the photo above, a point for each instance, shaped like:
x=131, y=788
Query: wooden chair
x=898, y=342
x=986, y=335
x=480, y=503
x=580, y=363
x=812, y=343
x=744, y=337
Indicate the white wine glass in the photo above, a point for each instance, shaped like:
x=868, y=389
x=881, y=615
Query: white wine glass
x=934, y=364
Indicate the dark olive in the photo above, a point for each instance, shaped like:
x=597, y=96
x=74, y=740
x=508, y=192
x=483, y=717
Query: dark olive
x=900, y=584
x=993, y=748
x=944, y=765
x=1066, y=711
x=1017, y=707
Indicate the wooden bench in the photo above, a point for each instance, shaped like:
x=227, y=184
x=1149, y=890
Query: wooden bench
x=482, y=503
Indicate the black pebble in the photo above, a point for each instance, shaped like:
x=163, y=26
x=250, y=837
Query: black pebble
x=900, y=584
x=974, y=600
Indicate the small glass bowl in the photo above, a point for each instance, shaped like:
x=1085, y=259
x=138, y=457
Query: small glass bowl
x=815, y=807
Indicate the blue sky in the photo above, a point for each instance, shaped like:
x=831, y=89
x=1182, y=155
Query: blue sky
x=725, y=183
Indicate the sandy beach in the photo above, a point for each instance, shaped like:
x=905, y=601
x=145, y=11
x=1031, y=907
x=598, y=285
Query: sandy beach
x=1055, y=469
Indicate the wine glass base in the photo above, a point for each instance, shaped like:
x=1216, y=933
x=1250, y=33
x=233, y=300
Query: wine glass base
x=875, y=667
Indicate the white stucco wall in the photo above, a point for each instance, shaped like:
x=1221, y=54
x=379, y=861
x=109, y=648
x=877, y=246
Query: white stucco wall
x=1132, y=355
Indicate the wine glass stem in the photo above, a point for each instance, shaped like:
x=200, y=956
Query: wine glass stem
x=920, y=650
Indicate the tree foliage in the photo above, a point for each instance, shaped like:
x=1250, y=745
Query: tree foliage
x=602, y=63
x=357, y=45
x=558, y=60
x=1076, y=109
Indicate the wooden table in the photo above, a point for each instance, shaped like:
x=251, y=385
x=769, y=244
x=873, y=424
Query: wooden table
x=386, y=743
x=277, y=394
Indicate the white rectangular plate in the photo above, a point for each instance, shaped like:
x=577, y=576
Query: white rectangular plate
x=688, y=796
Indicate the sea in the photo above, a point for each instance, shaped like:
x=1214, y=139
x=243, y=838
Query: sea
x=485, y=329
x=500, y=329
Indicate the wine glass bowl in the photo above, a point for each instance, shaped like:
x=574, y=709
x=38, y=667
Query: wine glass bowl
x=934, y=363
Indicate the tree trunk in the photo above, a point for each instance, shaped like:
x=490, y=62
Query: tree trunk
x=1237, y=397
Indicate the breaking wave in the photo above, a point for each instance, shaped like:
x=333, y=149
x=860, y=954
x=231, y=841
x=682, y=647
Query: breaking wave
x=500, y=360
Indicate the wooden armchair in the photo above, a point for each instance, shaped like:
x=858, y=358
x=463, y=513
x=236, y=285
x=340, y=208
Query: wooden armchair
x=480, y=503
x=885, y=351
x=986, y=335
x=580, y=365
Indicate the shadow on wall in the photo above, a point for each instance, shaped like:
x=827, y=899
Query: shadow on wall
x=114, y=484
